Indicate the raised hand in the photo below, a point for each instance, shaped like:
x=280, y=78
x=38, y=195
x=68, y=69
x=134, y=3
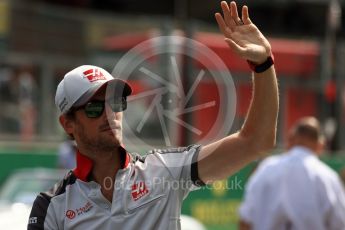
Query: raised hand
x=242, y=36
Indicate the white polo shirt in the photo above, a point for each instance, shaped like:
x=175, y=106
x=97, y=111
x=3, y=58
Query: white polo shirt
x=294, y=191
x=148, y=194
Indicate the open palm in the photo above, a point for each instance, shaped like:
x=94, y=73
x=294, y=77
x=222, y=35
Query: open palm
x=243, y=37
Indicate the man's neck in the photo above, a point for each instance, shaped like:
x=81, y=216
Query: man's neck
x=105, y=167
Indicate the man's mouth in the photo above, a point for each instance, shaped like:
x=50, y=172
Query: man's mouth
x=109, y=128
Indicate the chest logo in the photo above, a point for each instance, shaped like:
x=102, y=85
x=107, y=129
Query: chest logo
x=139, y=190
x=70, y=214
x=87, y=207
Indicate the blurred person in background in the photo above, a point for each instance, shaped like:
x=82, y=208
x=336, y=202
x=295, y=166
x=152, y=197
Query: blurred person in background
x=9, y=114
x=67, y=154
x=295, y=190
x=18, y=96
x=113, y=189
x=26, y=99
x=342, y=174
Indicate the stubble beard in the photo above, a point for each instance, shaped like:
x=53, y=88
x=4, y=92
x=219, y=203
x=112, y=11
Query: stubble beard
x=98, y=144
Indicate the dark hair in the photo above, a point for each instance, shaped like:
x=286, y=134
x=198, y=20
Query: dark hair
x=70, y=115
x=308, y=127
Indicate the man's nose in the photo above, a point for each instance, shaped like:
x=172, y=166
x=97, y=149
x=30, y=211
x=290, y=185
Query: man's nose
x=108, y=112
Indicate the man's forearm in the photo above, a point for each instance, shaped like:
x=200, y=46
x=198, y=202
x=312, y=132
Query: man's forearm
x=261, y=121
x=257, y=135
x=222, y=158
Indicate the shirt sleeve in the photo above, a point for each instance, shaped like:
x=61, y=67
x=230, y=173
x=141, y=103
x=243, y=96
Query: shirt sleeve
x=43, y=213
x=336, y=215
x=182, y=166
x=39, y=218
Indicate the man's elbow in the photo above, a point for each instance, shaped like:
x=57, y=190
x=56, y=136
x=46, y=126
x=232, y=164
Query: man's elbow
x=268, y=143
x=262, y=144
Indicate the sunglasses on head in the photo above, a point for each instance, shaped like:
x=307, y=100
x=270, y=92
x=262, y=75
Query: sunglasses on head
x=95, y=108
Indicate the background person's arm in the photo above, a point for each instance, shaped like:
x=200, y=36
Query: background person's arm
x=220, y=159
x=244, y=225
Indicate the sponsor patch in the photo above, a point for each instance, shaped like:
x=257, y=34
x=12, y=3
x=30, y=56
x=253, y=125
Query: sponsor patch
x=139, y=190
x=87, y=207
x=70, y=214
x=33, y=220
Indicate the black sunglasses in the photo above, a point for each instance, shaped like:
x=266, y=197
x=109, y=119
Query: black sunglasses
x=95, y=108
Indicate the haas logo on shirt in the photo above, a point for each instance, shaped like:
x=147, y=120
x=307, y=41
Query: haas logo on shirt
x=70, y=214
x=139, y=190
x=94, y=75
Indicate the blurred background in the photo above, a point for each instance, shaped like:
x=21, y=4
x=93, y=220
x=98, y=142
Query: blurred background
x=41, y=40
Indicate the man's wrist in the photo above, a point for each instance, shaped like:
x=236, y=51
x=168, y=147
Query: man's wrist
x=259, y=68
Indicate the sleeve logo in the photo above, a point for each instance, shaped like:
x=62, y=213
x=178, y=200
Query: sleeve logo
x=33, y=220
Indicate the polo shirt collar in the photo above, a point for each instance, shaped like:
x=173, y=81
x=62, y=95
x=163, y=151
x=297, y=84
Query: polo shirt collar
x=85, y=164
x=300, y=150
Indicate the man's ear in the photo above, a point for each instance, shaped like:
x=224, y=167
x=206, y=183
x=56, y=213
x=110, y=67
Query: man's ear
x=67, y=124
x=321, y=144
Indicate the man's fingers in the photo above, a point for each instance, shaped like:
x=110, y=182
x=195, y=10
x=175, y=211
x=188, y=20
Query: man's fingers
x=235, y=47
x=221, y=23
x=227, y=15
x=234, y=13
x=245, y=15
